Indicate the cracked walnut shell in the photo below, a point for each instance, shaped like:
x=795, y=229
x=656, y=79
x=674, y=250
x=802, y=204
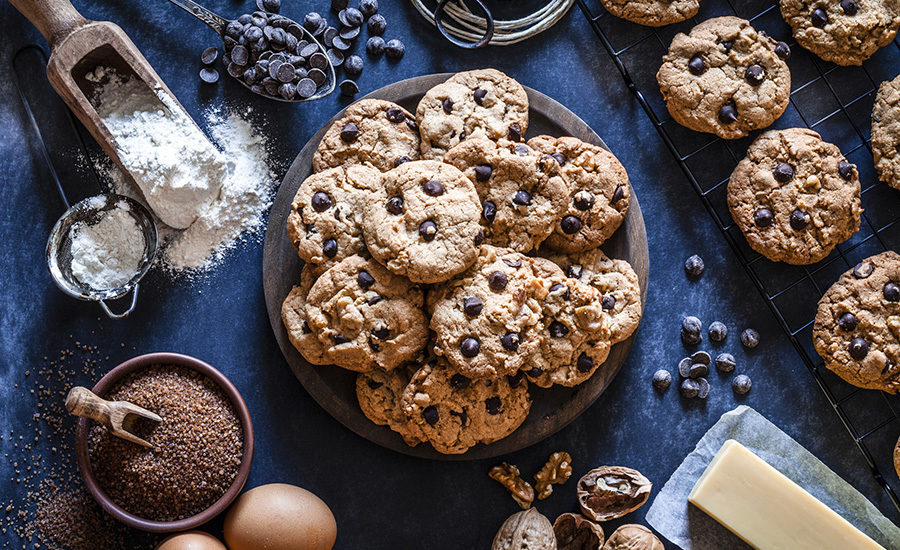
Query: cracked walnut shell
x=527, y=530
x=633, y=537
x=574, y=532
x=508, y=476
x=557, y=470
x=610, y=492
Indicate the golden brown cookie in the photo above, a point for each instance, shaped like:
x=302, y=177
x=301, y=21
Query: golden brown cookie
x=886, y=132
x=653, y=13
x=293, y=315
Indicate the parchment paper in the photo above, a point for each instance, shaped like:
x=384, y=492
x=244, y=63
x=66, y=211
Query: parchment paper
x=691, y=529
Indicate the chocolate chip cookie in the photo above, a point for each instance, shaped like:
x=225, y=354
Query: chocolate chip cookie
x=857, y=326
x=653, y=13
x=487, y=320
x=617, y=283
x=482, y=102
x=522, y=196
x=379, y=392
x=886, y=132
x=372, y=131
x=324, y=224
x=794, y=196
x=598, y=192
x=846, y=32
x=365, y=316
x=423, y=223
x=575, y=339
x=725, y=78
x=454, y=412
x=293, y=315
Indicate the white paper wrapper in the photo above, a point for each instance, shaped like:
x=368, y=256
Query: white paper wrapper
x=691, y=529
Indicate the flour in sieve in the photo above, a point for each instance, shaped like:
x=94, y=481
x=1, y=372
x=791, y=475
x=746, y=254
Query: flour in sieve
x=107, y=254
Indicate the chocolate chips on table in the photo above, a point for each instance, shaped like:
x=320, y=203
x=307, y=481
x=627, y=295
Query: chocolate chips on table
x=750, y=338
x=662, y=379
x=718, y=331
x=694, y=266
x=690, y=331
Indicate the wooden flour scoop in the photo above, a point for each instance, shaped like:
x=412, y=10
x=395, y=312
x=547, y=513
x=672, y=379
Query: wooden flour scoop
x=77, y=47
x=113, y=414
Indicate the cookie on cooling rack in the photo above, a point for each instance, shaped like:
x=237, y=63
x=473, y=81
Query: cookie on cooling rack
x=857, y=326
x=653, y=13
x=886, y=132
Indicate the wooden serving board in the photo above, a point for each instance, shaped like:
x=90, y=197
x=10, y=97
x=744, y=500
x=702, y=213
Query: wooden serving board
x=335, y=389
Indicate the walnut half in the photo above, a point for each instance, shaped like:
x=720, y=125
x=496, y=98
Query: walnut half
x=557, y=470
x=508, y=476
x=610, y=492
x=633, y=537
x=574, y=532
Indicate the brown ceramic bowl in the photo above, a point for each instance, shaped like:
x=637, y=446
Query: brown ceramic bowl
x=108, y=382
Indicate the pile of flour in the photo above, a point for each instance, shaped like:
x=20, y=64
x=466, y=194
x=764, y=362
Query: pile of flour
x=107, y=254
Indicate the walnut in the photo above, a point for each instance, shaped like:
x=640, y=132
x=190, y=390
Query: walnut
x=574, y=532
x=508, y=476
x=633, y=537
x=610, y=492
x=557, y=470
x=528, y=530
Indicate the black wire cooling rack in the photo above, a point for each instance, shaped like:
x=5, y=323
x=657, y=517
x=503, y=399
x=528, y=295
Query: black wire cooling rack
x=837, y=103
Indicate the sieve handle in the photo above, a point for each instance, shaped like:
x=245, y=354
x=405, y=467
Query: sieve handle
x=127, y=312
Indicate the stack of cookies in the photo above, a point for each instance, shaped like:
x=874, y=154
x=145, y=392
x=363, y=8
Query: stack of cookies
x=452, y=264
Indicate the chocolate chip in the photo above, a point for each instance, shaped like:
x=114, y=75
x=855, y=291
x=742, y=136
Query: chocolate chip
x=704, y=388
x=763, y=217
x=584, y=363
x=321, y=201
x=364, y=279
x=470, y=347
x=690, y=388
x=859, y=348
x=351, y=17
x=377, y=25
x=306, y=87
x=819, y=18
x=850, y=7
x=557, y=329
x=783, y=173
x=534, y=372
x=515, y=379
x=353, y=65
x=522, y=150
x=559, y=286
x=848, y=322
x=662, y=379
x=718, y=331
x=374, y=300
x=694, y=266
x=394, y=49
x=431, y=415
x=460, y=382
x=891, y=292
x=690, y=338
x=515, y=264
x=479, y=238
x=340, y=339
x=522, y=198
x=428, y=230
x=472, y=306
x=728, y=113
x=727, y=44
x=330, y=248
x=305, y=328
x=395, y=115
x=782, y=50
x=488, y=211
x=799, y=219
x=701, y=357
x=862, y=270
x=608, y=302
x=583, y=200
x=725, y=362
x=497, y=281
x=684, y=367
x=349, y=34
x=845, y=169
x=570, y=224
x=696, y=65
x=373, y=384
x=209, y=76
x=239, y=55
x=375, y=46
x=755, y=74
x=483, y=172
x=514, y=132
x=559, y=158
x=447, y=105
x=510, y=341
x=349, y=132
x=381, y=333
x=741, y=384
x=479, y=94
x=697, y=370
x=209, y=55
x=348, y=88
x=750, y=338
x=574, y=271
x=691, y=325
x=493, y=405
x=395, y=205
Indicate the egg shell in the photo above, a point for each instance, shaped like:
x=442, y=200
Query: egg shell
x=279, y=517
x=192, y=540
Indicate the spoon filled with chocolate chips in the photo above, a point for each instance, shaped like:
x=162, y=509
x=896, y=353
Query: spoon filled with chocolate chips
x=272, y=55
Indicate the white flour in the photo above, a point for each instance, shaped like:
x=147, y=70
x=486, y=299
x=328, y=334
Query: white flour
x=177, y=169
x=105, y=255
x=238, y=211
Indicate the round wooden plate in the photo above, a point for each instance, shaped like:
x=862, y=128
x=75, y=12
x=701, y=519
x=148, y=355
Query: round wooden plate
x=335, y=389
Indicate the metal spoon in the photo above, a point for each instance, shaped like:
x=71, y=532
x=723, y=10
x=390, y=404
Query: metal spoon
x=220, y=25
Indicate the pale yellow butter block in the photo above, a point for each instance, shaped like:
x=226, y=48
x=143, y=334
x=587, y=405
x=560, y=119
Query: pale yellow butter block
x=766, y=509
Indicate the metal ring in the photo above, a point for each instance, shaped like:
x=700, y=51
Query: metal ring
x=488, y=34
x=127, y=312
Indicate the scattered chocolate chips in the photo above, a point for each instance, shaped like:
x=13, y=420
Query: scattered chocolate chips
x=515, y=264
x=510, y=341
x=691, y=324
x=728, y=113
x=763, y=217
x=783, y=173
x=819, y=18
x=377, y=25
x=703, y=393
x=741, y=384
x=755, y=74
x=470, y=347
x=662, y=379
x=690, y=388
x=694, y=266
x=782, y=50
x=891, y=292
x=472, y=306
x=718, y=331
x=859, y=348
x=349, y=133
x=584, y=363
x=209, y=55
x=428, y=230
x=696, y=65
x=847, y=322
x=684, y=367
x=431, y=415
x=353, y=65
x=348, y=87
x=208, y=75
x=701, y=357
x=570, y=224
x=698, y=370
x=862, y=270
x=850, y=7
x=750, y=338
x=375, y=46
x=497, y=281
x=394, y=49
x=401, y=160
x=845, y=169
x=351, y=17
x=725, y=362
x=799, y=219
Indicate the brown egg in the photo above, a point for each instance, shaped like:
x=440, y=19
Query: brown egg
x=279, y=517
x=192, y=540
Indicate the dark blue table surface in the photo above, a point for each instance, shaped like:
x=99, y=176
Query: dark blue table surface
x=382, y=499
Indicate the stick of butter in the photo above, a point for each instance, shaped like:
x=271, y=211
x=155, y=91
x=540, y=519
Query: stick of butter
x=766, y=509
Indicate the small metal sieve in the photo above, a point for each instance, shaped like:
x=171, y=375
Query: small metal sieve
x=59, y=249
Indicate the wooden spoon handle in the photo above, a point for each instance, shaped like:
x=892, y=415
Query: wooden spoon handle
x=83, y=402
x=54, y=18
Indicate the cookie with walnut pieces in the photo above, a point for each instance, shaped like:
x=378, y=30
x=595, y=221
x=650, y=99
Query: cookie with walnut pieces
x=653, y=13
x=857, y=326
x=886, y=132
